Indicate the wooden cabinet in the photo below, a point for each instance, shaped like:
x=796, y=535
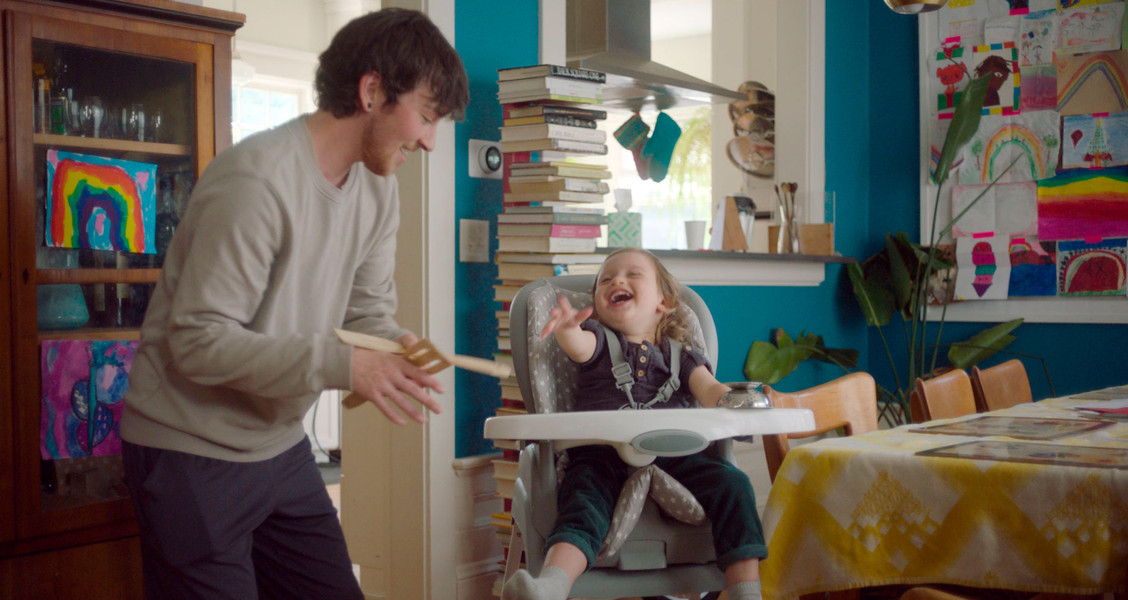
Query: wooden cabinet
x=112, y=110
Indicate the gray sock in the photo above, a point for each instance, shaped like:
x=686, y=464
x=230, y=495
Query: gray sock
x=553, y=584
x=746, y=590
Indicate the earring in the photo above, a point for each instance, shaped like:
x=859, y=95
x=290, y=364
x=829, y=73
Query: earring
x=369, y=106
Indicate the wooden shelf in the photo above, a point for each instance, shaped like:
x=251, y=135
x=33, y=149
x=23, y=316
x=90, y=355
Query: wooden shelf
x=87, y=276
x=112, y=145
x=727, y=267
x=92, y=333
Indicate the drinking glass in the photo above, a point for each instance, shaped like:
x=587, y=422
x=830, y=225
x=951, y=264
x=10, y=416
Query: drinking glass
x=91, y=116
x=136, y=122
x=156, y=128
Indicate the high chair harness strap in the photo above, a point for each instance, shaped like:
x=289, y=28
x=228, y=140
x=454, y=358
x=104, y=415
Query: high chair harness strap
x=624, y=379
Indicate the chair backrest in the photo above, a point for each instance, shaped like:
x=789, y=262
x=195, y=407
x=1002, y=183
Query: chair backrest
x=849, y=402
x=1000, y=386
x=943, y=397
x=545, y=374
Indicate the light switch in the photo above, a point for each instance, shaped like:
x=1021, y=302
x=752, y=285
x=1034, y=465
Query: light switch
x=473, y=240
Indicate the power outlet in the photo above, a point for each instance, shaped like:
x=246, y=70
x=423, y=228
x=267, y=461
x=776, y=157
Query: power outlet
x=473, y=241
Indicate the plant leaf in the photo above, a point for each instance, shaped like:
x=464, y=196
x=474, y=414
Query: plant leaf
x=964, y=123
x=767, y=364
x=982, y=345
x=901, y=271
x=875, y=301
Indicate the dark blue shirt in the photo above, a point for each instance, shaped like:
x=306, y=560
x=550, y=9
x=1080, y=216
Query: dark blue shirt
x=650, y=366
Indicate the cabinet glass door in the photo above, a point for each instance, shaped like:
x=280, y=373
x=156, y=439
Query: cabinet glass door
x=106, y=142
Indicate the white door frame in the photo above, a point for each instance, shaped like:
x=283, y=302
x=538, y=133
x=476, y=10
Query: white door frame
x=400, y=508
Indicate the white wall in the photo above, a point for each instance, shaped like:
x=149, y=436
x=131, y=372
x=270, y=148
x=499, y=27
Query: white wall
x=690, y=54
x=292, y=24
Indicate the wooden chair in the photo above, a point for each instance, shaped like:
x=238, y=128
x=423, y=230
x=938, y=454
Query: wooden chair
x=942, y=397
x=1000, y=386
x=848, y=402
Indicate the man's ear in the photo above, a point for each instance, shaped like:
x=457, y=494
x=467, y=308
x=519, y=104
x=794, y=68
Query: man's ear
x=371, y=91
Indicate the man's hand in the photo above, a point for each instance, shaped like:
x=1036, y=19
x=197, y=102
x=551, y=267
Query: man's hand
x=387, y=380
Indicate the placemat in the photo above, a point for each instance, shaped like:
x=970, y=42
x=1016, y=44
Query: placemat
x=1112, y=393
x=1043, y=454
x=1023, y=428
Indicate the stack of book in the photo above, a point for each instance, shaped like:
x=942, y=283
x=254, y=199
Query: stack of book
x=555, y=184
x=550, y=83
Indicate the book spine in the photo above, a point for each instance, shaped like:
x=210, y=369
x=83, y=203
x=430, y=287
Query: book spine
x=547, y=130
x=554, y=230
x=579, y=134
x=554, y=85
x=552, y=70
x=538, y=203
x=547, y=244
x=587, y=113
x=579, y=219
x=569, y=120
x=554, y=144
x=556, y=217
x=575, y=231
x=577, y=73
x=513, y=111
x=569, y=184
x=567, y=196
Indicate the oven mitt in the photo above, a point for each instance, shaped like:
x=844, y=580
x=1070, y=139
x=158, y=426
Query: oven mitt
x=632, y=136
x=660, y=147
x=632, y=133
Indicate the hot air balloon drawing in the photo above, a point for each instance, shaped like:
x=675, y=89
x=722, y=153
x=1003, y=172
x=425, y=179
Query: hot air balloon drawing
x=983, y=257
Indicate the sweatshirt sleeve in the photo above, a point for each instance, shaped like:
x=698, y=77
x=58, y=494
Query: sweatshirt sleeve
x=228, y=264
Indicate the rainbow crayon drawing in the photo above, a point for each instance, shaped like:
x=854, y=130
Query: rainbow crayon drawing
x=100, y=203
x=1084, y=204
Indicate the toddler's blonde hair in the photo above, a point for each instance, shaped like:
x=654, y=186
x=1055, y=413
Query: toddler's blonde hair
x=673, y=324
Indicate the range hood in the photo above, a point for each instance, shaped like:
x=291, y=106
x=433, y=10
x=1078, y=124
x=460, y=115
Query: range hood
x=613, y=36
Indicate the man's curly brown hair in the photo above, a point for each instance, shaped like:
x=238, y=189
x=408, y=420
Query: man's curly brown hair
x=405, y=48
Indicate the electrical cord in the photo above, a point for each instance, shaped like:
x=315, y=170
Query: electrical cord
x=313, y=431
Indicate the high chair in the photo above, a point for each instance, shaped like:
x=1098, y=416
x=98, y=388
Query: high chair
x=661, y=555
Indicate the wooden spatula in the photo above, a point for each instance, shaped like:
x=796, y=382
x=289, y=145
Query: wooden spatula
x=422, y=354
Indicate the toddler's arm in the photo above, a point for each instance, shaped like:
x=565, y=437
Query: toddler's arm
x=705, y=387
x=564, y=322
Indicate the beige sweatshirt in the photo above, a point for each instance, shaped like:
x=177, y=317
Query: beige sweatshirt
x=238, y=339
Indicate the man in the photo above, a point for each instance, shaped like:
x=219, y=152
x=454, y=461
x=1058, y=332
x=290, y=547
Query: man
x=288, y=234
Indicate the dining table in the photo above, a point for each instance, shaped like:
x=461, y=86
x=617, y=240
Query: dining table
x=1032, y=498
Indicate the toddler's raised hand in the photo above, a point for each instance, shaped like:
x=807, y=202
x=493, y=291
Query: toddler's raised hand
x=564, y=316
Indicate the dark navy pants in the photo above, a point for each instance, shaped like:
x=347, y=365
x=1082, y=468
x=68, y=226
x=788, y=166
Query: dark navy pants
x=229, y=530
x=595, y=476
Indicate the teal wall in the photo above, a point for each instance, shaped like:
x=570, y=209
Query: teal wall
x=872, y=142
x=487, y=39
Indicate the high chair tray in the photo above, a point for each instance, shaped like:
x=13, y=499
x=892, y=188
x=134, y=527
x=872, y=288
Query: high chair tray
x=639, y=435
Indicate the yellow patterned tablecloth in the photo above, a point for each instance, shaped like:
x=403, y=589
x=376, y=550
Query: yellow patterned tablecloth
x=864, y=511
